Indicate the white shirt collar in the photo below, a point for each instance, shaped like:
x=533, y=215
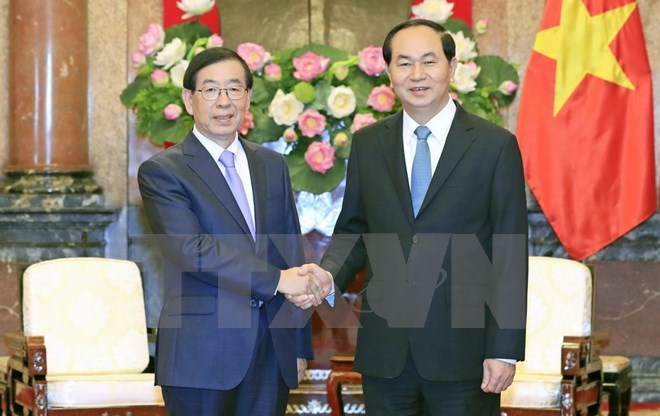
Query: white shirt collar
x=215, y=149
x=439, y=124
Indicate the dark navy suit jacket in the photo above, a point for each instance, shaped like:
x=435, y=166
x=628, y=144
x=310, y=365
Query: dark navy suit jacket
x=216, y=275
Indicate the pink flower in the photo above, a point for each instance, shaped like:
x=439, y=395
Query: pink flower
x=381, y=98
x=481, y=26
x=309, y=65
x=138, y=59
x=273, y=72
x=247, y=125
x=290, y=135
x=159, y=78
x=214, y=40
x=172, y=111
x=320, y=156
x=253, y=54
x=361, y=120
x=508, y=87
x=454, y=97
x=371, y=60
x=311, y=123
x=152, y=39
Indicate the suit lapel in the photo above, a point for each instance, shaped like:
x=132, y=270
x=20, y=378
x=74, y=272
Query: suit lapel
x=458, y=141
x=392, y=144
x=201, y=162
x=257, y=176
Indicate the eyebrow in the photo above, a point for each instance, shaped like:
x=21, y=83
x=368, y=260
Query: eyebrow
x=230, y=81
x=425, y=55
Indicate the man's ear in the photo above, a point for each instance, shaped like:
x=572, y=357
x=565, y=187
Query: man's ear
x=452, y=68
x=187, y=97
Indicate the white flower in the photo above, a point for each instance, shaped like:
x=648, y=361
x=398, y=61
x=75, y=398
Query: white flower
x=341, y=102
x=177, y=72
x=465, y=47
x=172, y=53
x=285, y=109
x=465, y=76
x=195, y=7
x=436, y=10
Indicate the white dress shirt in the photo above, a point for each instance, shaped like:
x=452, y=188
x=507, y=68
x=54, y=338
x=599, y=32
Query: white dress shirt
x=240, y=160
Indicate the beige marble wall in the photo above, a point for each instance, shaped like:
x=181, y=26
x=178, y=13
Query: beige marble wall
x=4, y=75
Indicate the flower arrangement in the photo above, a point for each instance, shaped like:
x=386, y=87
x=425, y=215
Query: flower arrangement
x=311, y=99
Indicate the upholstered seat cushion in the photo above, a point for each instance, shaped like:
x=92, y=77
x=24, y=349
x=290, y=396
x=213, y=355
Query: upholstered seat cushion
x=614, y=363
x=533, y=390
x=90, y=312
x=103, y=390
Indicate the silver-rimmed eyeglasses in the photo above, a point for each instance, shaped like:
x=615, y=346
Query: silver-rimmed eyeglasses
x=212, y=93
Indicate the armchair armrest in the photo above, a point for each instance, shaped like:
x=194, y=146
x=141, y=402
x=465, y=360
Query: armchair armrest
x=26, y=374
x=582, y=375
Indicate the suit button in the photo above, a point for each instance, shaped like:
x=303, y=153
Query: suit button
x=254, y=303
x=415, y=239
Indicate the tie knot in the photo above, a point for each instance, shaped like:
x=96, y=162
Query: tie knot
x=227, y=159
x=422, y=132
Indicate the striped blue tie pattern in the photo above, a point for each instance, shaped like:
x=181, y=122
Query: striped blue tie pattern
x=421, y=169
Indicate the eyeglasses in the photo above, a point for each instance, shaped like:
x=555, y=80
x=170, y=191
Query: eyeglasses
x=212, y=93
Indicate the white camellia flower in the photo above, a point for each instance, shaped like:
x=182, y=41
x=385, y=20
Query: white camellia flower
x=195, y=7
x=177, y=72
x=172, y=53
x=341, y=101
x=465, y=47
x=285, y=109
x=436, y=10
x=465, y=76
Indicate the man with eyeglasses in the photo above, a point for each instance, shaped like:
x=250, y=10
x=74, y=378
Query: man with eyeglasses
x=223, y=212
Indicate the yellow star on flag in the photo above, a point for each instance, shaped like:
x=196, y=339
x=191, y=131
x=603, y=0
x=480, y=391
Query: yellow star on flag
x=581, y=46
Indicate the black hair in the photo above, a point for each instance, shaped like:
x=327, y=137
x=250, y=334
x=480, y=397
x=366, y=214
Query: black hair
x=448, y=45
x=211, y=56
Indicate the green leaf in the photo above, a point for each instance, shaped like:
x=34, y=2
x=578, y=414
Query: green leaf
x=328, y=51
x=265, y=129
x=457, y=25
x=130, y=93
x=303, y=178
x=188, y=32
x=494, y=71
x=171, y=130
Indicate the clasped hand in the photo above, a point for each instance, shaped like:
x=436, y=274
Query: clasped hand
x=305, y=286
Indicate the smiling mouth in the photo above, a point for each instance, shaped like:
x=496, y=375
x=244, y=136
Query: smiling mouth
x=419, y=89
x=223, y=118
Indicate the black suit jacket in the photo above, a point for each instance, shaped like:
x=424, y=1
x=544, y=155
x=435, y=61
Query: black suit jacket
x=215, y=273
x=477, y=191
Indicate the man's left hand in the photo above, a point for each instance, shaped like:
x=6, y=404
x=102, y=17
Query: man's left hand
x=498, y=375
x=302, y=366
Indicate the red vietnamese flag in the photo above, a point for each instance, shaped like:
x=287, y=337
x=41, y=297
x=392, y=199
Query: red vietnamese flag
x=585, y=124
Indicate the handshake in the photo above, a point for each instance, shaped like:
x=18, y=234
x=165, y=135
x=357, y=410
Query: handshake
x=305, y=286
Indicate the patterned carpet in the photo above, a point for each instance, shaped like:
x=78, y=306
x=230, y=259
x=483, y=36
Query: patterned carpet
x=642, y=409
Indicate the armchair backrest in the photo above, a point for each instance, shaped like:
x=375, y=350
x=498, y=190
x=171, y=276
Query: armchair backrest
x=90, y=312
x=559, y=303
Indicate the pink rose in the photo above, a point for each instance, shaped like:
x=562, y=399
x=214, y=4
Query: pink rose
x=247, y=125
x=172, y=111
x=214, y=40
x=454, y=97
x=253, y=54
x=381, y=98
x=152, y=39
x=138, y=59
x=320, y=156
x=371, y=60
x=309, y=65
x=311, y=123
x=159, y=78
x=362, y=120
x=273, y=72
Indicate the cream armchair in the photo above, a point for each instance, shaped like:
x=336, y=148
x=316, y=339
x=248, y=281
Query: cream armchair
x=562, y=371
x=84, y=344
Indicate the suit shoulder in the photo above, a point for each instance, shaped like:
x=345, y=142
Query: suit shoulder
x=488, y=128
x=386, y=126
x=265, y=153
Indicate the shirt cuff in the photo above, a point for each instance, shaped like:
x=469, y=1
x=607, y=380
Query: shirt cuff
x=507, y=360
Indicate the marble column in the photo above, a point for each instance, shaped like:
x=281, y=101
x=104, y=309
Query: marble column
x=48, y=65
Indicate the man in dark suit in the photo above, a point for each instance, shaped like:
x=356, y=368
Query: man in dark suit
x=441, y=328
x=224, y=214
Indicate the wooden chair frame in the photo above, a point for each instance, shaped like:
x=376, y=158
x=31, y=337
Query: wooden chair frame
x=27, y=388
x=581, y=386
